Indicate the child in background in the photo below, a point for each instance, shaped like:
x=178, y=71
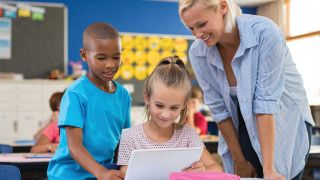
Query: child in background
x=94, y=110
x=195, y=118
x=49, y=136
x=54, y=102
x=166, y=92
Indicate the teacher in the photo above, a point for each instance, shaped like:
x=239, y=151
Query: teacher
x=252, y=87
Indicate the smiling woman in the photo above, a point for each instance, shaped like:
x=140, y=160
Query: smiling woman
x=252, y=87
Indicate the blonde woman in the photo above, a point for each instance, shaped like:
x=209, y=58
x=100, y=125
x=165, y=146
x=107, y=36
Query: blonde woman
x=252, y=87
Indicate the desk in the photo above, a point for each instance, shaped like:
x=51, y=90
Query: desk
x=31, y=165
x=20, y=146
x=314, y=157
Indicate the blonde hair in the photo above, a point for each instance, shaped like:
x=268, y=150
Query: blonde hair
x=172, y=72
x=229, y=19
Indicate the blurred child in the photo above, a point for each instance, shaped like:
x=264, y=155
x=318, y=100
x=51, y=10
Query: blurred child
x=49, y=135
x=166, y=92
x=94, y=110
x=195, y=118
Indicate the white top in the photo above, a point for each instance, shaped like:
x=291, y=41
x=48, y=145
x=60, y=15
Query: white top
x=135, y=138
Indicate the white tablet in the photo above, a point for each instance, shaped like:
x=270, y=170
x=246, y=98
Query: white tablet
x=157, y=164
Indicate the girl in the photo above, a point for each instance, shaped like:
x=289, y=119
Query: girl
x=166, y=93
x=48, y=139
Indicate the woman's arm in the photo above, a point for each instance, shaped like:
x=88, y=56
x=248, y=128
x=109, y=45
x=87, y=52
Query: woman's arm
x=266, y=130
x=44, y=145
x=80, y=154
x=243, y=167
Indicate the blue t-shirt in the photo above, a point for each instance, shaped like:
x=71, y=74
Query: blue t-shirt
x=100, y=115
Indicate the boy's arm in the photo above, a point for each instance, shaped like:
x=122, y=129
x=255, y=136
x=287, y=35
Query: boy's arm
x=80, y=154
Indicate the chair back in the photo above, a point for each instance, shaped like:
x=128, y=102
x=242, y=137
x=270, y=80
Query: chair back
x=9, y=172
x=315, y=140
x=4, y=148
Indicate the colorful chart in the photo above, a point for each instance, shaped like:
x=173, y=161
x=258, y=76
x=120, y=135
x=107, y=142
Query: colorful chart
x=141, y=54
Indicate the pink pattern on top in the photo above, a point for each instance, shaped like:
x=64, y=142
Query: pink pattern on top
x=135, y=138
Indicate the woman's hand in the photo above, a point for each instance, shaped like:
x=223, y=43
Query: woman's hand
x=245, y=169
x=196, y=167
x=270, y=174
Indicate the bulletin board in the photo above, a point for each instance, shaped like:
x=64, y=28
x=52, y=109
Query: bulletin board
x=38, y=41
x=141, y=53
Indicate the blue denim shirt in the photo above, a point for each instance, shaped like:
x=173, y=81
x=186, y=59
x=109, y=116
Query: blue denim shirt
x=267, y=83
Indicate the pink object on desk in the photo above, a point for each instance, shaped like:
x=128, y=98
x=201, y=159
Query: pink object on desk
x=24, y=158
x=202, y=176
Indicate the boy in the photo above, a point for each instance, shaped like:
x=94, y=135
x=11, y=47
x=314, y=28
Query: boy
x=94, y=110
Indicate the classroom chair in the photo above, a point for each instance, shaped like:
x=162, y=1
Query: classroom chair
x=9, y=172
x=4, y=148
x=315, y=140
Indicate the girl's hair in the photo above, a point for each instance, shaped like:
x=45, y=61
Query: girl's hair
x=55, y=100
x=172, y=72
x=229, y=19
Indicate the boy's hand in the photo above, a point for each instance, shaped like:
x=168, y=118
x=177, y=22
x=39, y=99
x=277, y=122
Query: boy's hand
x=196, y=167
x=111, y=175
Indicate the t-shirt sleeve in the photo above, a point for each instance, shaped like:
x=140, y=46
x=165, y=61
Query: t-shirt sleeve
x=72, y=111
x=125, y=148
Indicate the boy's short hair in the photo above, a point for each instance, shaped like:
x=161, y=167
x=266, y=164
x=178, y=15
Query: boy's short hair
x=99, y=31
x=55, y=100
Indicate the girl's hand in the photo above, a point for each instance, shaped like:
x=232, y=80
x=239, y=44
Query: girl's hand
x=245, y=169
x=196, y=167
x=53, y=147
x=111, y=175
x=270, y=174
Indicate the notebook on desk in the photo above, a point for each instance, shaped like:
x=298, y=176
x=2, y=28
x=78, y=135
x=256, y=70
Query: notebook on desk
x=159, y=163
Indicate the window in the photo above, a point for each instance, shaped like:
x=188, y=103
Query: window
x=304, y=43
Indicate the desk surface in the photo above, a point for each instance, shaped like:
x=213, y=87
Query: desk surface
x=315, y=149
x=32, y=166
x=25, y=158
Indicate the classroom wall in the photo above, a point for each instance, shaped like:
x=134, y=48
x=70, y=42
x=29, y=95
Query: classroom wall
x=135, y=16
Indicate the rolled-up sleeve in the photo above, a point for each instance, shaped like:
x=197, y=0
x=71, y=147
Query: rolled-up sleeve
x=270, y=76
x=204, y=74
